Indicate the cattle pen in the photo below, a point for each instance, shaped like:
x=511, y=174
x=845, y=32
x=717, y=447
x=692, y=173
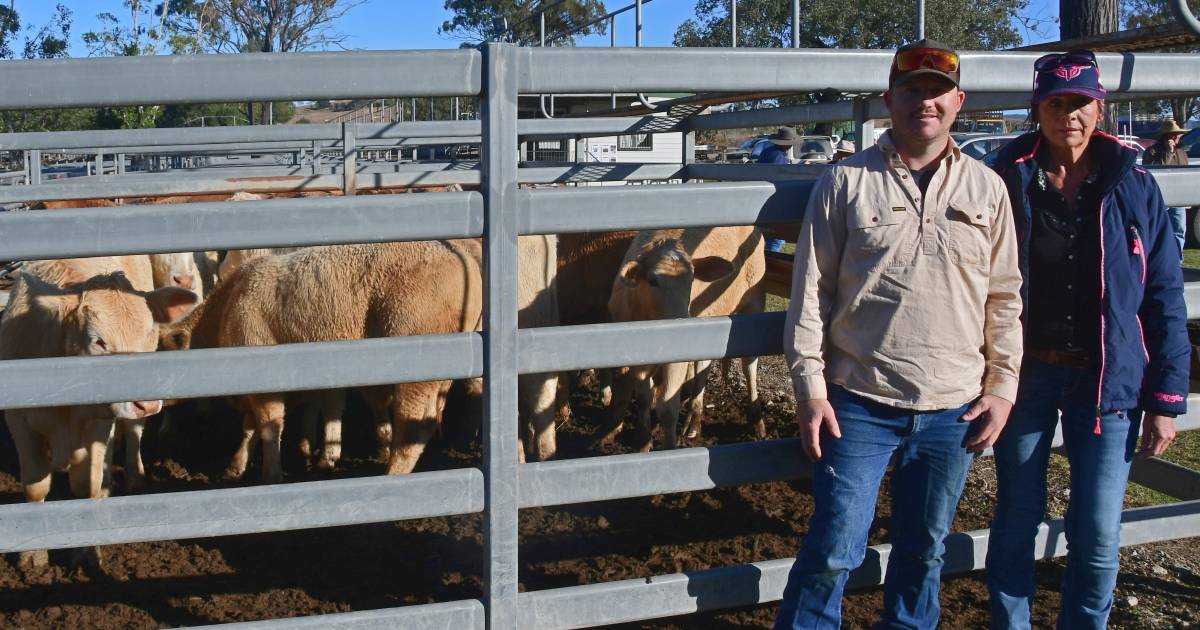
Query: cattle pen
x=502, y=208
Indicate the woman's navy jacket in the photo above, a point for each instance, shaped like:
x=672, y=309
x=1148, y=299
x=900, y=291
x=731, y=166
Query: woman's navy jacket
x=1145, y=353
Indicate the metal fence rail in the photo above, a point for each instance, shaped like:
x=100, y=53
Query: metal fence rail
x=499, y=212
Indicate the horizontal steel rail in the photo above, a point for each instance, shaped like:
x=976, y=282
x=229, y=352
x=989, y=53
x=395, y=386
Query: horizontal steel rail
x=838, y=111
x=230, y=371
x=456, y=132
x=466, y=614
x=144, y=229
x=100, y=82
x=386, y=176
x=578, y=70
x=761, y=582
x=631, y=475
x=224, y=512
x=230, y=511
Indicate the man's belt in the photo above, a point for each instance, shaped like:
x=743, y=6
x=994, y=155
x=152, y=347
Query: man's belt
x=1060, y=358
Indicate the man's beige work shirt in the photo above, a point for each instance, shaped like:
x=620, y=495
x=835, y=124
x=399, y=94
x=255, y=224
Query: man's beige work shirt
x=909, y=299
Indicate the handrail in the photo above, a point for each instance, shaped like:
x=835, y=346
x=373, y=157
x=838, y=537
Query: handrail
x=1183, y=14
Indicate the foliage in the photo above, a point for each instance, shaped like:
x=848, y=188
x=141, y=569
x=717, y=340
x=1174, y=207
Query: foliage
x=260, y=25
x=48, y=41
x=969, y=24
x=477, y=21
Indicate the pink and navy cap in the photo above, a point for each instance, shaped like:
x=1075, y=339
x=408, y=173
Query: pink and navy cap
x=1075, y=72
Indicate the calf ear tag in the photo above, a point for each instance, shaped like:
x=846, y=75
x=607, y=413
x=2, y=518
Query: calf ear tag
x=899, y=209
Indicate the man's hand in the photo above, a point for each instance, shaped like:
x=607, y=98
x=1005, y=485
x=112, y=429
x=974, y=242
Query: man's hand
x=990, y=414
x=812, y=415
x=1157, y=434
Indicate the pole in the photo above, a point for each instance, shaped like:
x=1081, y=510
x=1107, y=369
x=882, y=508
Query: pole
x=795, y=23
x=920, y=20
x=733, y=23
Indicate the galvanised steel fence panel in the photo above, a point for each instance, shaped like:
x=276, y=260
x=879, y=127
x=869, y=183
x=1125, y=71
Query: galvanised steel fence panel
x=460, y=615
x=505, y=351
x=229, y=511
x=761, y=582
x=166, y=80
x=146, y=229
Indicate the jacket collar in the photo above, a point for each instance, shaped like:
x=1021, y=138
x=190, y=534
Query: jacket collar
x=1115, y=157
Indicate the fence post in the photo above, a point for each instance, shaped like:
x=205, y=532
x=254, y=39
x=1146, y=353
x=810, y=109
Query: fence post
x=349, y=160
x=689, y=153
x=120, y=163
x=864, y=129
x=316, y=157
x=100, y=166
x=499, y=162
x=35, y=166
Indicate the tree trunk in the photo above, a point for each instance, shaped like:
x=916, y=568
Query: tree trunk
x=1081, y=18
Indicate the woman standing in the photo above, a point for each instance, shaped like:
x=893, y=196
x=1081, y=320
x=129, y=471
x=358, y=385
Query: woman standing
x=1105, y=341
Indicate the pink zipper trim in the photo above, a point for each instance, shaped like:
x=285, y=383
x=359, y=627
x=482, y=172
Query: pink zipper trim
x=1100, y=380
x=1142, y=334
x=1141, y=252
x=1036, y=145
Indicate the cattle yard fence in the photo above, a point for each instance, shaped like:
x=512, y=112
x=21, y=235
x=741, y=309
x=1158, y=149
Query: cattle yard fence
x=499, y=211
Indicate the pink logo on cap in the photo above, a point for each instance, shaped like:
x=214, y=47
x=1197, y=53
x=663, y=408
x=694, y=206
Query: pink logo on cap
x=1068, y=72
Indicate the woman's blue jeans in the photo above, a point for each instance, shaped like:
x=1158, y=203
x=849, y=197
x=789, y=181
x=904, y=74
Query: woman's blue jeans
x=1099, y=472
x=930, y=469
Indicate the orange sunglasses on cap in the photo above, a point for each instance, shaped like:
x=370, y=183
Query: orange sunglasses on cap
x=932, y=58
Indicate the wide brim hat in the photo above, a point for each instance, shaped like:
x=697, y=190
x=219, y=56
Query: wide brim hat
x=785, y=135
x=1170, y=128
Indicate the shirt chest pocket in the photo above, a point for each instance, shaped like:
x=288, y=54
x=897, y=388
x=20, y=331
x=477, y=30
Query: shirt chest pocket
x=871, y=228
x=970, y=234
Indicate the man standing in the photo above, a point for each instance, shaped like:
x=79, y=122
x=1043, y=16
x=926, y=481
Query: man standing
x=903, y=337
x=778, y=152
x=1167, y=152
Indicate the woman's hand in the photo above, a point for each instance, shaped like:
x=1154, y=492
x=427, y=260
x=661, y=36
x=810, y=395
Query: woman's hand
x=1157, y=434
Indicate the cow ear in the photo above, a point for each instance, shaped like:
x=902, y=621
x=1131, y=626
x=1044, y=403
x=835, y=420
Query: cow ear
x=711, y=268
x=629, y=273
x=168, y=304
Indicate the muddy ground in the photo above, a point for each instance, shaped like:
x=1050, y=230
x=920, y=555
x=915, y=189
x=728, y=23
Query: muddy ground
x=192, y=582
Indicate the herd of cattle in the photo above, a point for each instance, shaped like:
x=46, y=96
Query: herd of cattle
x=165, y=302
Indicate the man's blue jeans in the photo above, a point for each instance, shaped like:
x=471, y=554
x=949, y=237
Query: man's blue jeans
x=927, y=479
x=774, y=244
x=1099, y=472
x=1178, y=218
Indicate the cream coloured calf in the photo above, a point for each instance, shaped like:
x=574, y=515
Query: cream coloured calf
x=91, y=315
x=335, y=293
x=669, y=274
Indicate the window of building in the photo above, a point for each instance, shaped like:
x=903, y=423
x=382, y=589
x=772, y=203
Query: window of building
x=636, y=142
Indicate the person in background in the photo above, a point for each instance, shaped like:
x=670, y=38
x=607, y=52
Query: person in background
x=902, y=339
x=1167, y=152
x=778, y=152
x=1105, y=341
x=842, y=150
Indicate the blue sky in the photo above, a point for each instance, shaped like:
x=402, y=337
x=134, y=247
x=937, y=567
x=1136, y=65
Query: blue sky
x=413, y=24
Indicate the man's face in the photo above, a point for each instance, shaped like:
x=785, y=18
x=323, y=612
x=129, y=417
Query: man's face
x=1172, y=141
x=1068, y=121
x=923, y=109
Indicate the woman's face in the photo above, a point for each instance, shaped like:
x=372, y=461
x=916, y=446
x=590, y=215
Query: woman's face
x=1067, y=121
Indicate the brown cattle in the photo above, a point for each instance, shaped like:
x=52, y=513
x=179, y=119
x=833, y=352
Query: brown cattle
x=670, y=274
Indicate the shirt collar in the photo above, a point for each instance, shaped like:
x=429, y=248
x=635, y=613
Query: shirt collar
x=893, y=157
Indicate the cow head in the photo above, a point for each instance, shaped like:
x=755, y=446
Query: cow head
x=657, y=283
x=106, y=315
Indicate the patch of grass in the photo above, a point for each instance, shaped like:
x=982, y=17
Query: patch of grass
x=1191, y=258
x=1185, y=451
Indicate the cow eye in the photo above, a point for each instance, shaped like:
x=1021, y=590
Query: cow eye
x=99, y=345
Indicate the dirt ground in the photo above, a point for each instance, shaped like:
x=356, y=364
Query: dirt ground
x=203, y=581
